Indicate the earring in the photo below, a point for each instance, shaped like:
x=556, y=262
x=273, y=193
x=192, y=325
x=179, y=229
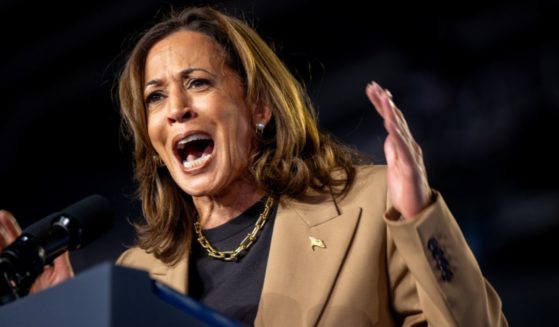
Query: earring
x=260, y=128
x=158, y=161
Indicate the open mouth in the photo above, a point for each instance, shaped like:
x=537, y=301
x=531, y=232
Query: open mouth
x=194, y=150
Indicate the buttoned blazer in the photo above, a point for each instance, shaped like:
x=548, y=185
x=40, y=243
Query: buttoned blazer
x=372, y=268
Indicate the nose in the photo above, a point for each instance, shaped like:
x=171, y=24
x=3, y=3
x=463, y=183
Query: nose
x=180, y=109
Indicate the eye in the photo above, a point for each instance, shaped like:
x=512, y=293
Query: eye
x=153, y=97
x=199, y=83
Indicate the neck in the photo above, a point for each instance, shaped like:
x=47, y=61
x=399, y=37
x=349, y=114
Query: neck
x=216, y=210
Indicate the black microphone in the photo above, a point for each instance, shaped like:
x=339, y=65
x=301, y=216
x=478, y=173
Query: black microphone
x=22, y=261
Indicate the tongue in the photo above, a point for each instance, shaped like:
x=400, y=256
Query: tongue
x=197, y=152
x=191, y=157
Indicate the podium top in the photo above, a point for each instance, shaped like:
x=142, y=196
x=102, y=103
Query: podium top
x=109, y=295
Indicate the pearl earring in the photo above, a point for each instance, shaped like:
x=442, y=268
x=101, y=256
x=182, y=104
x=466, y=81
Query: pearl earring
x=260, y=128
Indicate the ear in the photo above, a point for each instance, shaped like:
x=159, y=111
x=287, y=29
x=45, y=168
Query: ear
x=261, y=113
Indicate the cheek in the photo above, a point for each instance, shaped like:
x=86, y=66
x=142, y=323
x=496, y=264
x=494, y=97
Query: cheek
x=237, y=140
x=242, y=135
x=156, y=131
x=244, y=146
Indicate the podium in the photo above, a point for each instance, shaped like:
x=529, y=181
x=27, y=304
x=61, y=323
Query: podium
x=108, y=295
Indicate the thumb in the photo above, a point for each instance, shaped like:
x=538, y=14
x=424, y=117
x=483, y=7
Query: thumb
x=63, y=267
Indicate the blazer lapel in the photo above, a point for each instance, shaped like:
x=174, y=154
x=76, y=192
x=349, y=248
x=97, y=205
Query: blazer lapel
x=299, y=278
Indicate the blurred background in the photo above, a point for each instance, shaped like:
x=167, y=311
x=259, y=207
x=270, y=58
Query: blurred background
x=478, y=83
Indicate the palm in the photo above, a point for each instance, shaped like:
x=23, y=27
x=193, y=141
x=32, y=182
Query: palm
x=407, y=184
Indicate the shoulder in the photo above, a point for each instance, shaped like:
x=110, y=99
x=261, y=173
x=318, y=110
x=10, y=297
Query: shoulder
x=367, y=191
x=369, y=175
x=370, y=172
x=368, y=179
x=138, y=258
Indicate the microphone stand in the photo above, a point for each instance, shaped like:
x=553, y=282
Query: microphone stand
x=23, y=260
x=20, y=264
x=8, y=293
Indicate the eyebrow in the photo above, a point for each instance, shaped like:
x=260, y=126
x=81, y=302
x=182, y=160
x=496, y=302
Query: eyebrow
x=184, y=72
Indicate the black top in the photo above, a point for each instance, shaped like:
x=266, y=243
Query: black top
x=232, y=288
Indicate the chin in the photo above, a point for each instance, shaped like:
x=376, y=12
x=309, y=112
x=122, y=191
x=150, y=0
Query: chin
x=197, y=186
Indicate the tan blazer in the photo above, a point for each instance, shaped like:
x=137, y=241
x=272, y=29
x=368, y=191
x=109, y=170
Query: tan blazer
x=373, y=271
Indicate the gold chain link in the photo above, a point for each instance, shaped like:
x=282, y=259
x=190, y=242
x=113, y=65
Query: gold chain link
x=245, y=243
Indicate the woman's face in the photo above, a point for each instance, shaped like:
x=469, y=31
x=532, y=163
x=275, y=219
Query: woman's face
x=198, y=120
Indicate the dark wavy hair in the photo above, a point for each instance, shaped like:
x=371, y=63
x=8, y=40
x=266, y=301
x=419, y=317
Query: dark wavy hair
x=292, y=156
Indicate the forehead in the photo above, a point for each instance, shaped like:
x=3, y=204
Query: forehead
x=184, y=49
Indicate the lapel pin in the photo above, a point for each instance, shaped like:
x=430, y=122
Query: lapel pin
x=316, y=242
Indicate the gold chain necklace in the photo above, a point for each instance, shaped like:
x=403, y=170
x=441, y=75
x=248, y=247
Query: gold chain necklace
x=245, y=243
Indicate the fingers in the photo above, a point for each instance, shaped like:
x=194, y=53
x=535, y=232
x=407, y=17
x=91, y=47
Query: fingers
x=372, y=91
x=378, y=96
x=397, y=147
x=63, y=265
x=400, y=143
x=382, y=101
x=394, y=120
x=60, y=271
x=9, y=228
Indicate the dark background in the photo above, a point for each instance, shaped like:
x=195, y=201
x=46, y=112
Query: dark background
x=479, y=85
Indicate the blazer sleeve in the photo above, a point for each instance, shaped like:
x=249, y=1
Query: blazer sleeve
x=433, y=273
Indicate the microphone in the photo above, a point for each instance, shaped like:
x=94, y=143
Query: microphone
x=22, y=261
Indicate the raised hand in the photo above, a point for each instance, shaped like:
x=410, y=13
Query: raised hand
x=59, y=271
x=408, y=187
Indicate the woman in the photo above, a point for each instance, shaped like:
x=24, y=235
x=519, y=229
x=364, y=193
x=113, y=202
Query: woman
x=254, y=211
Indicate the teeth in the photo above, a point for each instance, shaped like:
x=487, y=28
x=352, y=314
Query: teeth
x=195, y=163
x=190, y=138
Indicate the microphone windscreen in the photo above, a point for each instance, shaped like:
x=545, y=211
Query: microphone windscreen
x=40, y=226
x=94, y=215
